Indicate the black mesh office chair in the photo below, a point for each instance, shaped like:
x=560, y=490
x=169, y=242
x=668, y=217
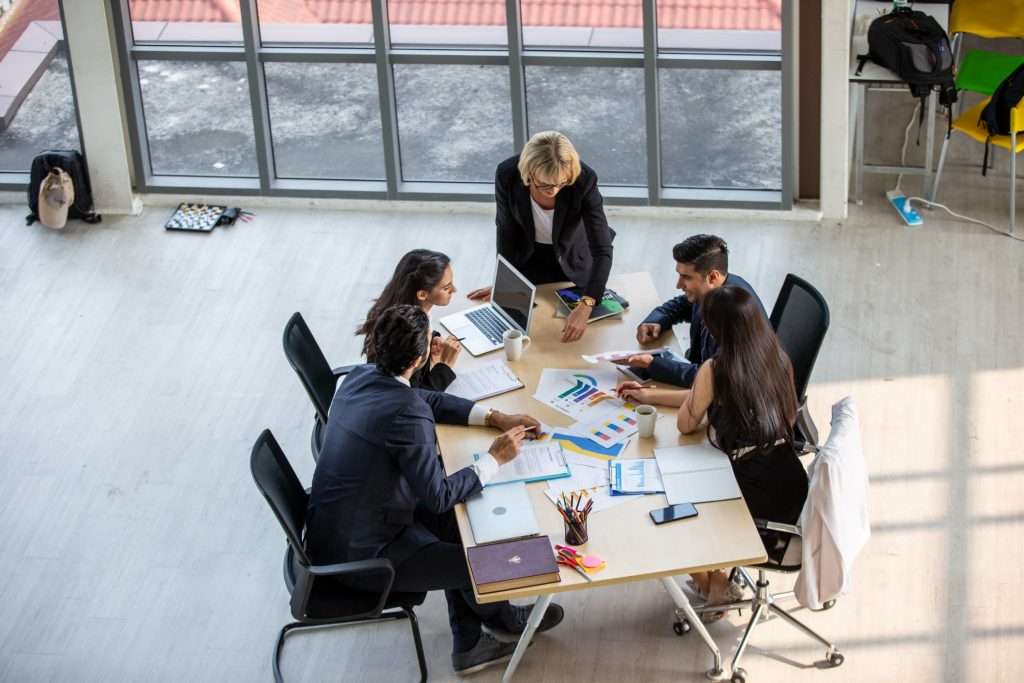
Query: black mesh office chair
x=319, y=596
x=318, y=378
x=800, y=318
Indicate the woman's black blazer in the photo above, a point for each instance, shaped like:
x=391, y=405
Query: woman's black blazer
x=580, y=232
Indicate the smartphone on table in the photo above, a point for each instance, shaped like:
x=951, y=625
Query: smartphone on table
x=673, y=512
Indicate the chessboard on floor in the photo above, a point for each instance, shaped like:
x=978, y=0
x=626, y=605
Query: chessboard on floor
x=195, y=217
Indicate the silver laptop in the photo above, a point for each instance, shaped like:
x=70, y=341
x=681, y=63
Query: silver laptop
x=501, y=513
x=510, y=307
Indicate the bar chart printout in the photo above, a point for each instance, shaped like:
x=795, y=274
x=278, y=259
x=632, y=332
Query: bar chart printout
x=600, y=415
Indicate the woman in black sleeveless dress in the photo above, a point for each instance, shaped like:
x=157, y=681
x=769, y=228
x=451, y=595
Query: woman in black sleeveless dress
x=746, y=395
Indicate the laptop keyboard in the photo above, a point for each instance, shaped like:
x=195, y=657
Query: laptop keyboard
x=488, y=322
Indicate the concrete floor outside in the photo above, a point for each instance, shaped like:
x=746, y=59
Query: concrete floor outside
x=719, y=129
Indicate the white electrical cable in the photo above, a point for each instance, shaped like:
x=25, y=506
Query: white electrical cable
x=899, y=181
x=963, y=218
x=906, y=141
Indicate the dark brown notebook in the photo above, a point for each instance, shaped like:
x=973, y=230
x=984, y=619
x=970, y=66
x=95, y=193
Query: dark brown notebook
x=513, y=564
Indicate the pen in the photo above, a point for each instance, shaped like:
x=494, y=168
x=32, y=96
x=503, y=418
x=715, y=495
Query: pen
x=579, y=570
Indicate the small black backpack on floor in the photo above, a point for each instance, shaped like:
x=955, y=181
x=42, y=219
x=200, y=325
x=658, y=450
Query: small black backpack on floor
x=995, y=117
x=915, y=46
x=71, y=162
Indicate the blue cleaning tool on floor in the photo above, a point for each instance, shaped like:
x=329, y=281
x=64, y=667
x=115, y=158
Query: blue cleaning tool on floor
x=904, y=208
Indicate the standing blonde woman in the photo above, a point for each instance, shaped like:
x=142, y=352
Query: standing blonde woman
x=551, y=222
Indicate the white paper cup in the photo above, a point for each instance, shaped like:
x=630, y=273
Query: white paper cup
x=646, y=417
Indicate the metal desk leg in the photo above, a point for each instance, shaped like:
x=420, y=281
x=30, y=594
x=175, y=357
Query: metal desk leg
x=679, y=597
x=539, y=608
x=858, y=190
x=929, y=173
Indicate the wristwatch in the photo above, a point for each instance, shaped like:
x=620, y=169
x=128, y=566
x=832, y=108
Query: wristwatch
x=487, y=417
x=589, y=301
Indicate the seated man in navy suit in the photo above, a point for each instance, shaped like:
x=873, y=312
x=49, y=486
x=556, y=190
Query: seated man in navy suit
x=702, y=264
x=380, y=490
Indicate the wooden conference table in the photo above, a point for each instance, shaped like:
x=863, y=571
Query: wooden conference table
x=723, y=533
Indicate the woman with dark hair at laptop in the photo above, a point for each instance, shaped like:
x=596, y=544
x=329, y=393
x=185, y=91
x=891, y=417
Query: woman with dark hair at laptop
x=551, y=223
x=422, y=278
x=745, y=393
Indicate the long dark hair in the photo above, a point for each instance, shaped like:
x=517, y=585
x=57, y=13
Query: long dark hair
x=755, y=401
x=419, y=269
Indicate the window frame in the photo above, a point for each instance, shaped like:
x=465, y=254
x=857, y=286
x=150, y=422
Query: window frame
x=514, y=56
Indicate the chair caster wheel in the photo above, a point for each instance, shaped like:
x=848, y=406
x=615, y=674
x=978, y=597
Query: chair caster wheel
x=681, y=627
x=739, y=676
x=828, y=605
x=836, y=659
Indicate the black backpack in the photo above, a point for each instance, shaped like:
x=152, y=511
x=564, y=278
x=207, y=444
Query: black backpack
x=915, y=46
x=71, y=162
x=995, y=117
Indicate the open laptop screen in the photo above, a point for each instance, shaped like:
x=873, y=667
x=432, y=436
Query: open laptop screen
x=513, y=294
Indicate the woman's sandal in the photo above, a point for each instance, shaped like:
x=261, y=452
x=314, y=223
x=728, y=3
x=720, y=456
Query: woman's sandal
x=732, y=593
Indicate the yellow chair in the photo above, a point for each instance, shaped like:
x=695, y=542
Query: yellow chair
x=967, y=124
x=988, y=18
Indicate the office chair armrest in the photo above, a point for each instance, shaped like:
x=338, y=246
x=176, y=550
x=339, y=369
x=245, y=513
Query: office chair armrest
x=305, y=581
x=343, y=370
x=375, y=566
x=790, y=529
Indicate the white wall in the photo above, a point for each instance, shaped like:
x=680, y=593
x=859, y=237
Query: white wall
x=835, y=106
x=90, y=39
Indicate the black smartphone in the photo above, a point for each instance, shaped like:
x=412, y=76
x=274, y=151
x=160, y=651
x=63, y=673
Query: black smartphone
x=673, y=512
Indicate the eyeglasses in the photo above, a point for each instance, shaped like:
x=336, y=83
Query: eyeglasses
x=548, y=188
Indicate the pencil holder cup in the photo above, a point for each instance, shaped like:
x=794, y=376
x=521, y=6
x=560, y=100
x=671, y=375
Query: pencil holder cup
x=576, y=534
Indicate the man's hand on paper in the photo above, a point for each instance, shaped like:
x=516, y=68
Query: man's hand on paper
x=506, y=446
x=505, y=422
x=647, y=332
x=641, y=360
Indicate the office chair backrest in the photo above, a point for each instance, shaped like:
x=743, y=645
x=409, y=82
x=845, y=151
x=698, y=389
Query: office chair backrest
x=276, y=480
x=306, y=358
x=800, y=318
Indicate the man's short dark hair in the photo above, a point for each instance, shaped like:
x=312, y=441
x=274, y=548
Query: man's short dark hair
x=704, y=252
x=399, y=338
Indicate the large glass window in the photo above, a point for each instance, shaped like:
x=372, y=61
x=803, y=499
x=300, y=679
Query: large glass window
x=600, y=109
x=732, y=26
x=185, y=21
x=433, y=109
x=198, y=118
x=602, y=24
x=721, y=129
x=325, y=120
x=37, y=106
x=454, y=121
x=451, y=22
x=317, y=22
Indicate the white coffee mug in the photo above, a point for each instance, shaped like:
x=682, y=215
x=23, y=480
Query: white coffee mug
x=515, y=343
x=646, y=417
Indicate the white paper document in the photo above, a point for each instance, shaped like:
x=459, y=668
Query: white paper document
x=589, y=397
x=485, y=381
x=590, y=483
x=535, y=462
x=696, y=474
x=635, y=476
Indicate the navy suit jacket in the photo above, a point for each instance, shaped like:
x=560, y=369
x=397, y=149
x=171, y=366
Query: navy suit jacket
x=379, y=460
x=702, y=344
x=579, y=228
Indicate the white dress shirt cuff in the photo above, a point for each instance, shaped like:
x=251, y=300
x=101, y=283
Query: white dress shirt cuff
x=478, y=415
x=486, y=467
